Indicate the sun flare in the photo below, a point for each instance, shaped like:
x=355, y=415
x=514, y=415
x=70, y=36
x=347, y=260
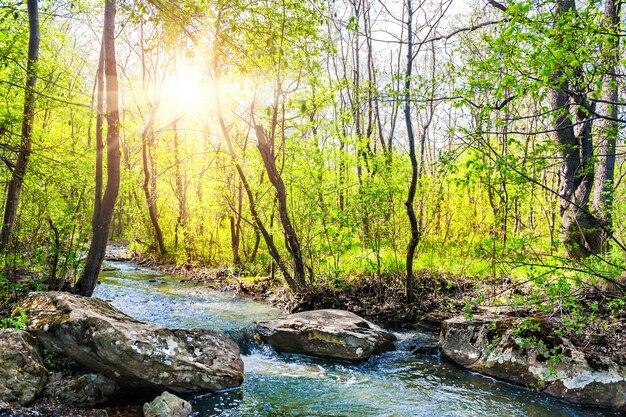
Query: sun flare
x=189, y=90
x=185, y=91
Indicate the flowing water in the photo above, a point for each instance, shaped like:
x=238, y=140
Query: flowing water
x=395, y=384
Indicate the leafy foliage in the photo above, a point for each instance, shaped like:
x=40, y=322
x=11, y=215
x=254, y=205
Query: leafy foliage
x=326, y=84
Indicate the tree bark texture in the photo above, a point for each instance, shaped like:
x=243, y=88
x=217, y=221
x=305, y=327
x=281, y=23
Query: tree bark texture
x=582, y=231
x=607, y=129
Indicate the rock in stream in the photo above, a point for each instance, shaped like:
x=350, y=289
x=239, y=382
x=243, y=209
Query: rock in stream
x=81, y=390
x=529, y=352
x=333, y=334
x=167, y=405
x=132, y=353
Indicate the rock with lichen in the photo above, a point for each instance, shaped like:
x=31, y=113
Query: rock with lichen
x=167, y=405
x=132, y=353
x=334, y=334
x=85, y=390
x=22, y=373
x=528, y=351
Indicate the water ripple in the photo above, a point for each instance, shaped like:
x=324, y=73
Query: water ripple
x=395, y=384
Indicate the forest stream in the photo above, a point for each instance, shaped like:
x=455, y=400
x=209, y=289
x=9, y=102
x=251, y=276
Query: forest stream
x=392, y=384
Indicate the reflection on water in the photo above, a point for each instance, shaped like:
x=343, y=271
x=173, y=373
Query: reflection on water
x=394, y=384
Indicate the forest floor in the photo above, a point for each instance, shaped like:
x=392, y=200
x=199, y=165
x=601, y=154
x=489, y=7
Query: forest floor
x=15, y=284
x=44, y=407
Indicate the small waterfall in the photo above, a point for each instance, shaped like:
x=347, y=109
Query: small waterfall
x=247, y=338
x=417, y=344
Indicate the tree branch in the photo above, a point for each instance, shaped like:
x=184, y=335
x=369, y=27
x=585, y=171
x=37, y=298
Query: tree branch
x=497, y=5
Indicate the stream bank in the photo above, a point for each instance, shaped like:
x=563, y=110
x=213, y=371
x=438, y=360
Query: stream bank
x=448, y=297
x=399, y=383
x=381, y=300
x=441, y=296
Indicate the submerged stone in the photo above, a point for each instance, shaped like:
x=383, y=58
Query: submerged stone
x=419, y=344
x=334, y=334
x=109, y=268
x=132, y=353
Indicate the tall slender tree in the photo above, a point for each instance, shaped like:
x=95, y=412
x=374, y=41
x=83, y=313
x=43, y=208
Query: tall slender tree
x=104, y=204
x=148, y=144
x=21, y=164
x=414, y=241
x=266, y=148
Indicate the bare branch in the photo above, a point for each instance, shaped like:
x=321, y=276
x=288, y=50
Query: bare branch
x=497, y=5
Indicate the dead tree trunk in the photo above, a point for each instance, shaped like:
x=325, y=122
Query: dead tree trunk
x=103, y=207
x=19, y=171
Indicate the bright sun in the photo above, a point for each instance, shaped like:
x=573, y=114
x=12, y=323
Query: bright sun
x=189, y=91
x=185, y=92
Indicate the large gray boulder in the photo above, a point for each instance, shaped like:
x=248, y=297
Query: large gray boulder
x=529, y=352
x=22, y=373
x=167, y=405
x=334, y=334
x=132, y=353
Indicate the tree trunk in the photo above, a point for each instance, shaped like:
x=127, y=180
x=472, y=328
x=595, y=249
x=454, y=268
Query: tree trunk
x=608, y=129
x=255, y=247
x=582, y=233
x=53, y=283
x=23, y=155
x=104, y=207
x=414, y=166
x=234, y=240
x=149, y=182
x=181, y=194
x=291, y=238
x=147, y=162
x=235, y=227
x=269, y=241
